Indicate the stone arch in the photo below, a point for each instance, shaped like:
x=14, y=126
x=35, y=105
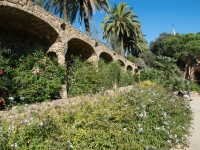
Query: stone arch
x=106, y=57
x=121, y=62
x=23, y=31
x=129, y=68
x=78, y=47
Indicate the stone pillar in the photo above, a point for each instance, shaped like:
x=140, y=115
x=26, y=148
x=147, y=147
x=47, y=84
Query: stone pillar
x=60, y=49
x=61, y=61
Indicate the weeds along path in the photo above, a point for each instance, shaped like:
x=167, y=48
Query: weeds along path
x=195, y=138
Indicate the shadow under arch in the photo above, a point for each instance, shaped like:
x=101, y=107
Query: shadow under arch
x=23, y=32
x=106, y=57
x=121, y=62
x=78, y=47
x=129, y=68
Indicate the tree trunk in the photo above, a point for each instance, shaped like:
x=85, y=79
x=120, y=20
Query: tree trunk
x=185, y=71
x=66, y=13
x=122, y=47
x=86, y=22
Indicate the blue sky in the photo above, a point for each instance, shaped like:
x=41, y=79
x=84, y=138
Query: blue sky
x=157, y=16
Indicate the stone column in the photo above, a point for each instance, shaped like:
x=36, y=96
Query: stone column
x=61, y=61
x=60, y=49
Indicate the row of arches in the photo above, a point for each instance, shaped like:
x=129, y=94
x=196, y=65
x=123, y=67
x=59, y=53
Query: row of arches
x=78, y=47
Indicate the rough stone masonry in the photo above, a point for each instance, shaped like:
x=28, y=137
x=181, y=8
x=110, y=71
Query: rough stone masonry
x=26, y=27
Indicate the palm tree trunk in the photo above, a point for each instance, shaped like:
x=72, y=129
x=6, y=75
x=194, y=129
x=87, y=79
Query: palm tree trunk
x=86, y=22
x=122, y=46
x=66, y=13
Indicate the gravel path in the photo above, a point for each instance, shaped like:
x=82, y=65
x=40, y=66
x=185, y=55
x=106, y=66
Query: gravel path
x=195, y=138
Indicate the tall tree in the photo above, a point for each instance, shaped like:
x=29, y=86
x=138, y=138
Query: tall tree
x=156, y=46
x=85, y=9
x=122, y=23
x=135, y=46
x=184, y=47
x=57, y=7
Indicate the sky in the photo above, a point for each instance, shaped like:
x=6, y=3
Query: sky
x=157, y=16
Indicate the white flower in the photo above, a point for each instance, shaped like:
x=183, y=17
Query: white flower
x=145, y=113
x=158, y=128
x=11, y=127
x=41, y=124
x=25, y=105
x=140, y=115
x=143, y=105
x=70, y=144
x=11, y=98
x=14, y=145
x=140, y=130
x=164, y=114
x=26, y=121
x=169, y=141
x=21, y=98
x=147, y=147
x=125, y=129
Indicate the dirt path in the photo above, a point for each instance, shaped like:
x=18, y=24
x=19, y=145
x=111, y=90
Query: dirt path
x=195, y=138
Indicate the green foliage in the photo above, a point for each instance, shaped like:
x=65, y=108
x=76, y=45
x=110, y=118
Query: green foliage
x=120, y=22
x=82, y=78
x=167, y=67
x=138, y=61
x=146, y=118
x=34, y=77
x=195, y=87
x=148, y=58
x=87, y=78
x=157, y=46
x=182, y=46
x=185, y=48
x=166, y=72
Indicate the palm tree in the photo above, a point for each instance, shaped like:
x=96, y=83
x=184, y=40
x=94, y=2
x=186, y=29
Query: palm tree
x=121, y=22
x=134, y=45
x=86, y=8
x=68, y=9
x=57, y=7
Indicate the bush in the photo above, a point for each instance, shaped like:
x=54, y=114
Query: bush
x=146, y=118
x=195, y=87
x=32, y=78
x=87, y=78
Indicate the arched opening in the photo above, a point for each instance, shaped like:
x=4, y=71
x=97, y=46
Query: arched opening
x=23, y=33
x=129, y=68
x=77, y=47
x=121, y=63
x=51, y=55
x=106, y=57
x=136, y=70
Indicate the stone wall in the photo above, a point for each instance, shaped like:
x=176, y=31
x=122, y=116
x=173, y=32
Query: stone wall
x=26, y=27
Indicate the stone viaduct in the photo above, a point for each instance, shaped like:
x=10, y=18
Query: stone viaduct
x=25, y=26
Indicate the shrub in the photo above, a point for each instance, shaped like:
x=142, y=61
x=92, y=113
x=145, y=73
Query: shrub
x=145, y=118
x=195, y=87
x=81, y=78
x=87, y=78
x=32, y=78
